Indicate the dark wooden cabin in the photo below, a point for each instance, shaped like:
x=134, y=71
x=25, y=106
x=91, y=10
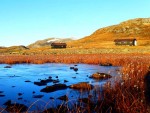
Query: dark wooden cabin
x=58, y=45
x=130, y=42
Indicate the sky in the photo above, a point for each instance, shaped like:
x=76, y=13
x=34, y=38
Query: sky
x=23, y=22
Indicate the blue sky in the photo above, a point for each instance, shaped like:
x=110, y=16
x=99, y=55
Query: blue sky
x=25, y=21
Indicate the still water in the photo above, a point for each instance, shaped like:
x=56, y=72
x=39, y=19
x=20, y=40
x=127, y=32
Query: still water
x=13, y=86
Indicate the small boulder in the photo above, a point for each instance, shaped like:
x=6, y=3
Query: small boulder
x=38, y=96
x=74, y=77
x=43, y=82
x=19, y=94
x=2, y=95
x=50, y=77
x=53, y=88
x=47, y=80
x=100, y=76
x=7, y=67
x=71, y=67
x=75, y=69
x=65, y=80
x=27, y=81
x=82, y=85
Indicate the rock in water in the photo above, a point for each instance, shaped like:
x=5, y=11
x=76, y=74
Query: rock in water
x=82, y=85
x=38, y=96
x=54, y=87
x=7, y=67
x=100, y=76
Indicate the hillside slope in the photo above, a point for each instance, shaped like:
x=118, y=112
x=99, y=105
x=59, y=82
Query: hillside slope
x=136, y=28
x=47, y=42
x=13, y=49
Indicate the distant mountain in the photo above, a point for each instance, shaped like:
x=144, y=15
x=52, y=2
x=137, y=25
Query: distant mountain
x=48, y=42
x=136, y=28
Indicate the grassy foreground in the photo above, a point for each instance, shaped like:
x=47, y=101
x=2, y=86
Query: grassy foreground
x=129, y=95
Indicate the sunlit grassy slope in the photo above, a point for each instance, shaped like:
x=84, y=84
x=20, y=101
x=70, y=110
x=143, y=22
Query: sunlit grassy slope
x=104, y=37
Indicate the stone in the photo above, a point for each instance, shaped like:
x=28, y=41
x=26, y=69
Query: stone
x=27, y=81
x=65, y=80
x=43, y=82
x=47, y=80
x=100, y=76
x=2, y=95
x=53, y=88
x=7, y=67
x=75, y=69
x=82, y=85
x=19, y=94
x=38, y=96
x=71, y=67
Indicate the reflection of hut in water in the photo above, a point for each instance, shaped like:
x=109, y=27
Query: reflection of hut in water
x=58, y=45
x=130, y=42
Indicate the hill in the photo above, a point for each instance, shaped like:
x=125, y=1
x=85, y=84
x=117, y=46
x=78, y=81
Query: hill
x=13, y=49
x=136, y=28
x=47, y=42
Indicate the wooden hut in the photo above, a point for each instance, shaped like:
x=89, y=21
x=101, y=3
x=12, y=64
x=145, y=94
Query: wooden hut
x=130, y=42
x=58, y=45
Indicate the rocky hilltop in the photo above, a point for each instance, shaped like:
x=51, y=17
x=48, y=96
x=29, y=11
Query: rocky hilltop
x=135, y=28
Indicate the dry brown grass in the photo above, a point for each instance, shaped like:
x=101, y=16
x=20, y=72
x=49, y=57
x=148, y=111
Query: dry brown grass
x=128, y=95
x=115, y=59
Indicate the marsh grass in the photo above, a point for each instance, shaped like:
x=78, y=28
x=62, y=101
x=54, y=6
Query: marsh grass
x=125, y=95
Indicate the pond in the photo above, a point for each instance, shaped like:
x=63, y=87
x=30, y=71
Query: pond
x=17, y=82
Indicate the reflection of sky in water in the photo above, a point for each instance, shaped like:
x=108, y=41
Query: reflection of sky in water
x=12, y=81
